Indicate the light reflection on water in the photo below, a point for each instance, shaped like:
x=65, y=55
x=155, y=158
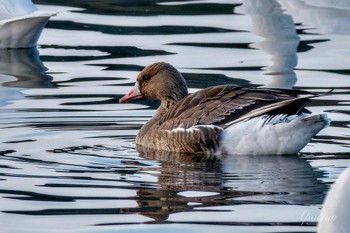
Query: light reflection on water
x=67, y=152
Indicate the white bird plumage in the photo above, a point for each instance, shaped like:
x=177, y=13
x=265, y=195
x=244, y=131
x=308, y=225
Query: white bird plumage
x=335, y=214
x=21, y=23
x=280, y=134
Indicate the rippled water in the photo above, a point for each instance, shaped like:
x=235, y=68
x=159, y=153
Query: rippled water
x=68, y=161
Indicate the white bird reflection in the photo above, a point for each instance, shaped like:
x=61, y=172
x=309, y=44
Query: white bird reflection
x=324, y=16
x=26, y=68
x=280, y=40
x=275, y=20
x=21, y=23
x=20, y=68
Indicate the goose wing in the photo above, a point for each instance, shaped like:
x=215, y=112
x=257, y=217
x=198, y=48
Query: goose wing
x=227, y=104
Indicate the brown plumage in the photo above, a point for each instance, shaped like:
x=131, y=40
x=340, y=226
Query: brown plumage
x=194, y=123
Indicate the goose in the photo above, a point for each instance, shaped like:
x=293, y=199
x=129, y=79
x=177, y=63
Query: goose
x=335, y=212
x=224, y=119
x=21, y=23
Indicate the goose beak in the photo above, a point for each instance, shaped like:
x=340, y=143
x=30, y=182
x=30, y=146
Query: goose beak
x=133, y=94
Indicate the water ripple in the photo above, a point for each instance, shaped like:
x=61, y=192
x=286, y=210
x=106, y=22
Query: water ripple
x=68, y=159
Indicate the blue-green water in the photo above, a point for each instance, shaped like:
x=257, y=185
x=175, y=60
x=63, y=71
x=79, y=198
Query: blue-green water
x=68, y=161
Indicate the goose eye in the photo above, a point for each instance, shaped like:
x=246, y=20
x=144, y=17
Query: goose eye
x=146, y=77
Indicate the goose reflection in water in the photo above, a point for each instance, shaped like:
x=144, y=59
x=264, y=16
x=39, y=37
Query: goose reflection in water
x=188, y=182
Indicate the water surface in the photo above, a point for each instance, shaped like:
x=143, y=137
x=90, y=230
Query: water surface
x=68, y=161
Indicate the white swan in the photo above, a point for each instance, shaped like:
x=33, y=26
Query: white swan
x=21, y=23
x=335, y=214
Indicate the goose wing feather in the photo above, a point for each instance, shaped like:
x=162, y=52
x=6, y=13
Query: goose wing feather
x=227, y=104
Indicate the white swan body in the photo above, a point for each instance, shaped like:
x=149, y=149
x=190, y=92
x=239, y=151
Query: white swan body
x=21, y=23
x=335, y=214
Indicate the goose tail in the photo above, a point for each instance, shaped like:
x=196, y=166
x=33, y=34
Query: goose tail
x=273, y=134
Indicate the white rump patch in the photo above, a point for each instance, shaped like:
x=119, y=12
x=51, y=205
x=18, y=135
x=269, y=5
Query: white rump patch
x=280, y=134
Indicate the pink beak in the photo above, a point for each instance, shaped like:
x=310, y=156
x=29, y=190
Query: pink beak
x=133, y=94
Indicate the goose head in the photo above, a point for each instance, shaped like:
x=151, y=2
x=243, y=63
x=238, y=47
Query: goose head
x=159, y=81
